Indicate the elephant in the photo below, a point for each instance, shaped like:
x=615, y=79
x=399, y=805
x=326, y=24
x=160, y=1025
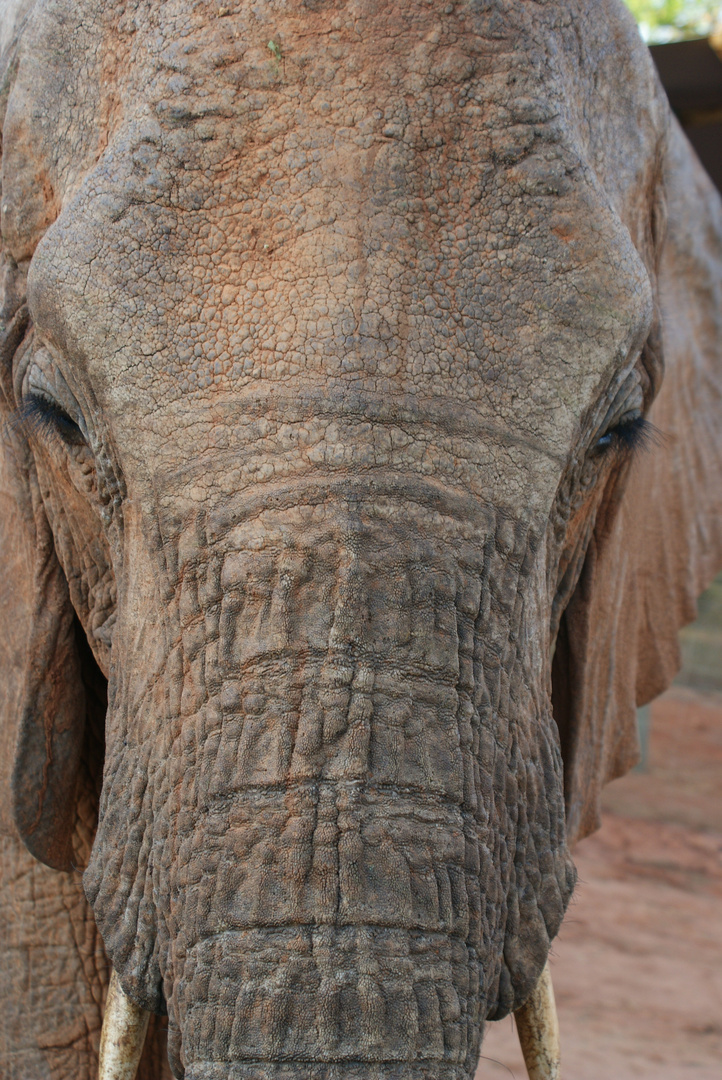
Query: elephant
x=361, y=387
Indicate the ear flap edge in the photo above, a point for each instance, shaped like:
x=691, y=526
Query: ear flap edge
x=42, y=694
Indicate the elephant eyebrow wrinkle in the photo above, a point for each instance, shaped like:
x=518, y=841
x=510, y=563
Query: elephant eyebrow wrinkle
x=11, y=335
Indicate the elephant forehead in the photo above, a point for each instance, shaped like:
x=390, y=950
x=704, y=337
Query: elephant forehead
x=373, y=200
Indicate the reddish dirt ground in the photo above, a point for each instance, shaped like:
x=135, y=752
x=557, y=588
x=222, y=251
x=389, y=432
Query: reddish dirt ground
x=638, y=966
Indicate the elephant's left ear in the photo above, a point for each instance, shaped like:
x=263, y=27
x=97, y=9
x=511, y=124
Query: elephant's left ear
x=649, y=561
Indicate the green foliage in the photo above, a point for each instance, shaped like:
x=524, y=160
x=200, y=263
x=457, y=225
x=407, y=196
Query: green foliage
x=674, y=20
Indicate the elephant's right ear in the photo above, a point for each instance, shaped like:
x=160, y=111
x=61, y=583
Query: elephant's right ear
x=42, y=696
x=658, y=543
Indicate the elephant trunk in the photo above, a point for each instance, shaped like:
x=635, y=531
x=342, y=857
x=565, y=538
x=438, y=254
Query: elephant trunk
x=351, y=1001
x=345, y=846
x=330, y=925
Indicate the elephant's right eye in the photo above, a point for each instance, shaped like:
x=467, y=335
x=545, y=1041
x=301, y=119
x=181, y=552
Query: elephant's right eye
x=45, y=417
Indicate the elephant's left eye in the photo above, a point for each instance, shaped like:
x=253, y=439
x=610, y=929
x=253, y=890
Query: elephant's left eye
x=47, y=418
x=631, y=433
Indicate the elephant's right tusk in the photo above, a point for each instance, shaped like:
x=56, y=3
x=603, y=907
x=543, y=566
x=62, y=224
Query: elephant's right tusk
x=538, y=1028
x=121, y=1040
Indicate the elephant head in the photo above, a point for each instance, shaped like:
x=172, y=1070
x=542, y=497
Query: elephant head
x=322, y=446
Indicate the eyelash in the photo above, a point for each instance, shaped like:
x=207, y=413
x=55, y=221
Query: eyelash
x=631, y=435
x=41, y=416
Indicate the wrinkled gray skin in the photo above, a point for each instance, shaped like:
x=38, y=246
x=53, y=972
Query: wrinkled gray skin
x=337, y=332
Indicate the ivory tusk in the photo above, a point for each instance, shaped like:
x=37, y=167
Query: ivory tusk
x=538, y=1028
x=121, y=1040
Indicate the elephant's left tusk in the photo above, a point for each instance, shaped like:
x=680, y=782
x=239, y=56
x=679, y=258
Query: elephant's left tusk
x=121, y=1040
x=538, y=1029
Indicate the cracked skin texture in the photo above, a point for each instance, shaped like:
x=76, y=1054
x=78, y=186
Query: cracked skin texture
x=329, y=306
